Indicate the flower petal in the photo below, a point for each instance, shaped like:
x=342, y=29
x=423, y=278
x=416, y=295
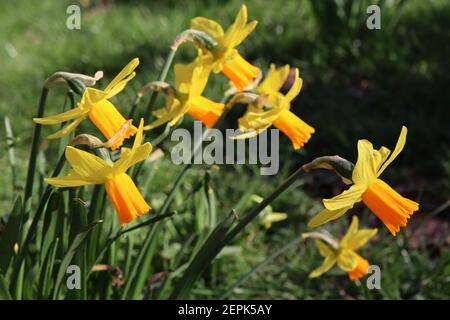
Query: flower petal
x=61, y=117
x=324, y=249
x=347, y=260
x=325, y=216
x=327, y=264
x=120, y=81
x=360, y=238
x=208, y=26
x=239, y=30
x=88, y=165
x=274, y=80
x=67, y=129
x=73, y=179
x=365, y=168
x=398, y=148
x=296, y=87
x=346, y=199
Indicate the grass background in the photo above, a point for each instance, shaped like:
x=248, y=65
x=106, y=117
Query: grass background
x=357, y=84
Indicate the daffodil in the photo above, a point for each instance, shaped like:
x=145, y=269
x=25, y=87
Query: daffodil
x=87, y=169
x=278, y=113
x=388, y=205
x=190, y=81
x=343, y=252
x=95, y=104
x=224, y=57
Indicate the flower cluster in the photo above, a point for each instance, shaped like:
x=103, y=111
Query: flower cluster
x=267, y=105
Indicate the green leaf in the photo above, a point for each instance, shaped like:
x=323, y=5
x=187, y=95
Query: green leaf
x=9, y=237
x=76, y=243
x=4, y=292
x=45, y=278
x=202, y=259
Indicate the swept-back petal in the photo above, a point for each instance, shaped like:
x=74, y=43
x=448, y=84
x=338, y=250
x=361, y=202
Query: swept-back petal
x=365, y=168
x=296, y=86
x=67, y=129
x=61, y=117
x=327, y=264
x=73, y=179
x=324, y=249
x=398, y=148
x=325, y=216
x=239, y=30
x=346, y=199
x=87, y=165
x=208, y=26
x=125, y=75
x=274, y=80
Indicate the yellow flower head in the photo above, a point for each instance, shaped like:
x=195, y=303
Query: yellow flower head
x=190, y=81
x=225, y=58
x=257, y=119
x=87, y=168
x=343, y=252
x=95, y=104
x=389, y=206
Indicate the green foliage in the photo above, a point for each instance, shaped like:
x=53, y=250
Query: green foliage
x=357, y=84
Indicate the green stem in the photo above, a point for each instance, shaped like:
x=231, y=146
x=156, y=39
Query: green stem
x=162, y=77
x=253, y=213
x=33, y=153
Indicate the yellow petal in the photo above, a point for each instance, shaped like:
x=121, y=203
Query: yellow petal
x=199, y=80
x=67, y=129
x=172, y=116
x=239, y=30
x=346, y=199
x=353, y=228
x=360, y=238
x=347, y=260
x=325, y=216
x=274, y=80
x=398, y=148
x=71, y=180
x=129, y=159
x=87, y=165
x=258, y=120
x=62, y=117
x=208, y=26
x=296, y=87
x=365, y=168
x=120, y=81
x=138, y=138
x=324, y=249
x=327, y=264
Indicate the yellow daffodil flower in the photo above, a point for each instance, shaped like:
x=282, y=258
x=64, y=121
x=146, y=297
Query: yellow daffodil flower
x=95, y=104
x=389, y=206
x=190, y=81
x=225, y=58
x=343, y=252
x=256, y=119
x=89, y=169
